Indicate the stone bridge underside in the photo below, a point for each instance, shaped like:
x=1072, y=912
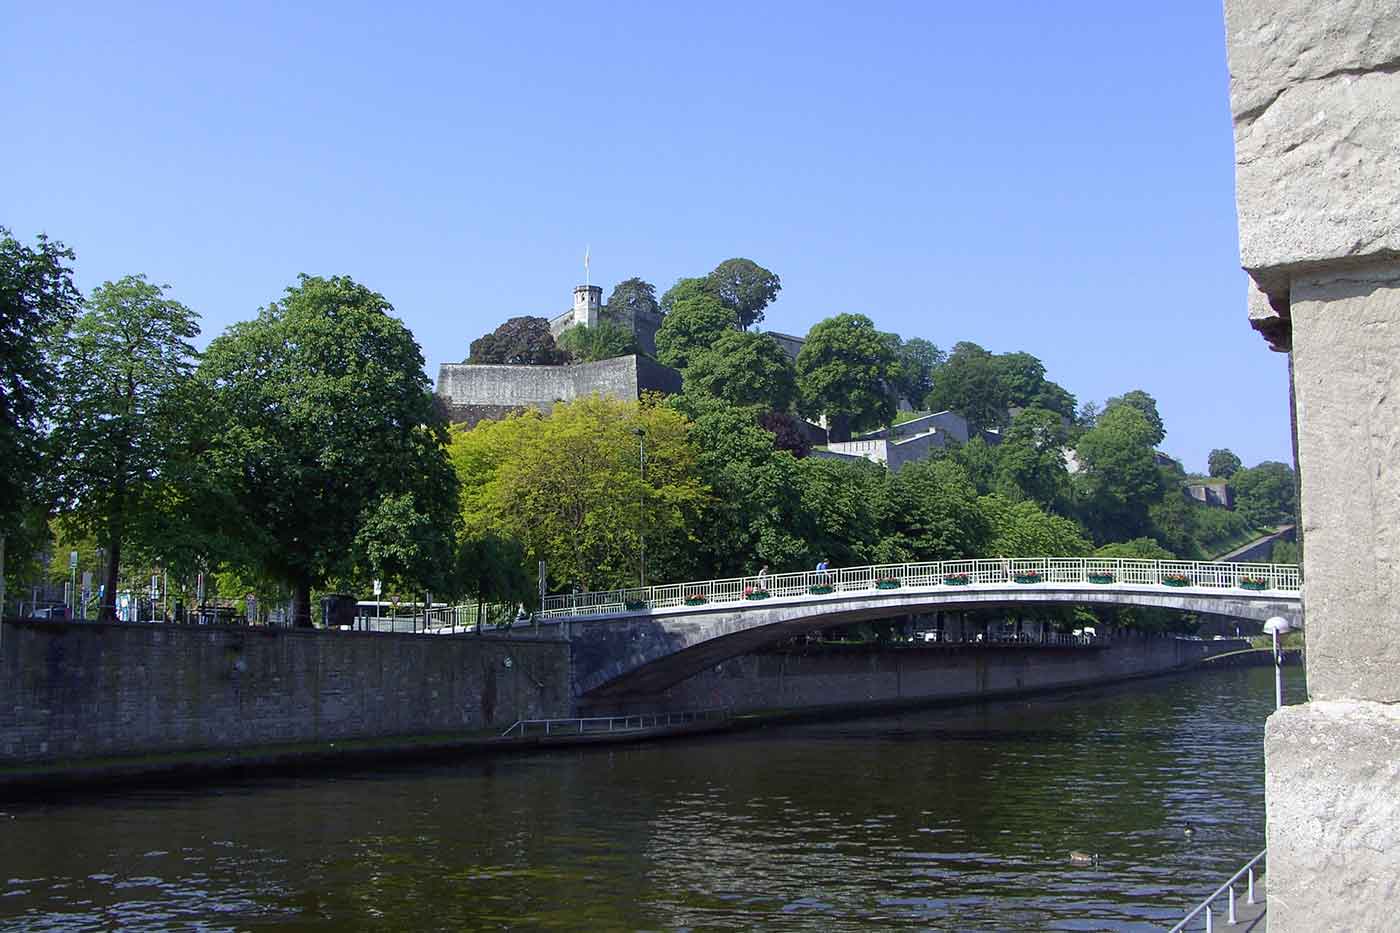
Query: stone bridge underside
x=637, y=654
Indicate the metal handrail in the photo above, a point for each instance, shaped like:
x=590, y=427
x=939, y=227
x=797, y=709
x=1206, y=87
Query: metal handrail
x=1228, y=885
x=580, y=725
x=1193, y=575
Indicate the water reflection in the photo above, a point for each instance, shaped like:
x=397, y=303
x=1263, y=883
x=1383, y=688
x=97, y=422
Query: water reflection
x=955, y=819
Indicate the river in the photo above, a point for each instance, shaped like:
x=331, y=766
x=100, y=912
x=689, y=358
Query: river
x=954, y=818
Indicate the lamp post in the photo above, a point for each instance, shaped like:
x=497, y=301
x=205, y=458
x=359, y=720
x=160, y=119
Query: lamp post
x=1274, y=627
x=641, y=500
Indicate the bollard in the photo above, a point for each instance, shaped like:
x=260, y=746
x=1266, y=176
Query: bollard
x=1231, y=918
x=1250, y=900
x=1209, y=925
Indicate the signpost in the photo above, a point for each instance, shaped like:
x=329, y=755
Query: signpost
x=378, y=589
x=87, y=591
x=72, y=594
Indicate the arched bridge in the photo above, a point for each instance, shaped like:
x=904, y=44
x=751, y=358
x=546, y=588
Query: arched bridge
x=644, y=640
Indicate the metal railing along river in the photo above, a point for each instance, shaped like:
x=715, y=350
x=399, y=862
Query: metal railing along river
x=1105, y=572
x=604, y=725
x=1227, y=889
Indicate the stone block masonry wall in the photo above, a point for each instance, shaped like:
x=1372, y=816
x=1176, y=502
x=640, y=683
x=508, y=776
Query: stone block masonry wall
x=71, y=691
x=470, y=393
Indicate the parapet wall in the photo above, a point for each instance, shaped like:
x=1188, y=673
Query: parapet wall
x=82, y=690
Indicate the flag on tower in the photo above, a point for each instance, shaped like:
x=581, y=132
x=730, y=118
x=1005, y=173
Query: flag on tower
x=585, y=266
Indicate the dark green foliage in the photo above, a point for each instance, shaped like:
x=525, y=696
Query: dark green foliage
x=845, y=504
x=632, y=298
x=787, y=432
x=743, y=369
x=492, y=569
x=126, y=402
x=322, y=429
x=1030, y=461
x=1145, y=404
x=746, y=287
x=693, y=325
x=1136, y=549
x=843, y=371
x=689, y=288
x=1118, y=479
x=915, y=361
x=1020, y=528
x=1286, y=552
x=1223, y=463
x=1266, y=494
x=602, y=341
x=933, y=515
x=970, y=384
x=37, y=304
x=524, y=341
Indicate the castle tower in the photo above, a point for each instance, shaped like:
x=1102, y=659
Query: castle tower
x=588, y=301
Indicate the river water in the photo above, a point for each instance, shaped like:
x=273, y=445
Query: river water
x=958, y=818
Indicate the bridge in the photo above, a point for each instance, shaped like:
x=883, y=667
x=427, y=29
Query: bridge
x=643, y=640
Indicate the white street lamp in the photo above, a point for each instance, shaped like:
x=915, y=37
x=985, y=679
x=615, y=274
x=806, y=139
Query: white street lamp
x=1276, y=626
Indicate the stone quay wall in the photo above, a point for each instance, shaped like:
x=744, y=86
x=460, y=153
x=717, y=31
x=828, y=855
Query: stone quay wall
x=860, y=675
x=83, y=690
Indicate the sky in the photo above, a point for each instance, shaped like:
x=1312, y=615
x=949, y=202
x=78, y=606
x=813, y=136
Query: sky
x=1054, y=178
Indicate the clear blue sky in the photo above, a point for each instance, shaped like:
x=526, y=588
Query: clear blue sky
x=1042, y=177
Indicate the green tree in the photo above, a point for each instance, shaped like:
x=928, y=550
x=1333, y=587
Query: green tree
x=602, y=341
x=1266, y=494
x=568, y=487
x=970, y=384
x=933, y=514
x=693, y=325
x=688, y=288
x=746, y=287
x=522, y=341
x=632, y=298
x=1118, y=479
x=845, y=504
x=1223, y=463
x=843, y=371
x=37, y=304
x=744, y=368
x=915, y=360
x=1024, y=529
x=1144, y=403
x=125, y=401
x=1136, y=549
x=321, y=420
x=1030, y=462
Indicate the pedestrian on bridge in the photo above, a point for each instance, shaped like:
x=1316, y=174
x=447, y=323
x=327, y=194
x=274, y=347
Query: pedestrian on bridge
x=763, y=578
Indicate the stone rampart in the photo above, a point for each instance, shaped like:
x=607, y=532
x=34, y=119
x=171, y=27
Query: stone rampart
x=471, y=392
x=82, y=690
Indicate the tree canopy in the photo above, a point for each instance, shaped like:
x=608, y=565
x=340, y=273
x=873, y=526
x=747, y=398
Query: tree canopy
x=744, y=368
x=322, y=422
x=693, y=325
x=843, y=372
x=970, y=383
x=1223, y=463
x=632, y=298
x=602, y=341
x=688, y=288
x=524, y=341
x=1118, y=479
x=1144, y=403
x=125, y=405
x=915, y=360
x=745, y=287
x=1266, y=494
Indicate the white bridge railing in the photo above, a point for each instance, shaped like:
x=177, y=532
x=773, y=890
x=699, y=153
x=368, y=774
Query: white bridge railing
x=1089, y=571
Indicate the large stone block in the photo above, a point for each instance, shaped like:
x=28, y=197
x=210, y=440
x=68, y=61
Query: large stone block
x=1315, y=90
x=1333, y=787
x=1346, y=372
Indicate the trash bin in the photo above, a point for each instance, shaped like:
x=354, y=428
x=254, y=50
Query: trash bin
x=338, y=610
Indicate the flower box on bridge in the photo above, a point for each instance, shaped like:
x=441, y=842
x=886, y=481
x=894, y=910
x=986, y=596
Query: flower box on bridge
x=1101, y=578
x=696, y=599
x=634, y=605
x=1176, y=579
x=755, y=593
x=888, y=583
x=1030, y=576
x=821, y=589
x=957, y=579
x=1253, y=583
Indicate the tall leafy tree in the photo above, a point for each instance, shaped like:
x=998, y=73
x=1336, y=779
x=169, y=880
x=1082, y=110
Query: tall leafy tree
x=744, y=368
x=38, y=302
x=1266, y=494
x=933, y=514
x=1223, y=463
x=568, y=486
x=1031, y=460
x=694, y=325
x=746, y=287
x=843, y=371
x=631, y=298
x=524, y=341
x=970, y=384
x=323, y=425
x=1118, y=479
x=915, y=360
x=1024, y=529
x=125, y=405
x=688, y=288
x=1144, y=403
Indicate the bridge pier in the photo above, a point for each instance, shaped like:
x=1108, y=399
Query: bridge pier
x=1315, y=91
